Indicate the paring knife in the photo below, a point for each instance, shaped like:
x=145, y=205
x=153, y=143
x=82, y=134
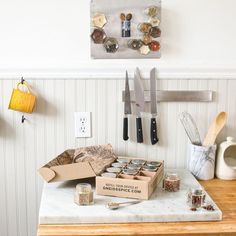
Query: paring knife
x=153, y=96
x=127, y=109
x=139, y=102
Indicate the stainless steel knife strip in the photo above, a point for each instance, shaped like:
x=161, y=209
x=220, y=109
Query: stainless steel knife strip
x=176, y=96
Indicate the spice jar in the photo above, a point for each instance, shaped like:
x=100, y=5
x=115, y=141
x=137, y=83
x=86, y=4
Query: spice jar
x=171, y=182
x=196, y=197
x=83, y=194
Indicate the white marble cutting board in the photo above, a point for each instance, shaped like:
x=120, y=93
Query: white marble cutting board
x=57, y=206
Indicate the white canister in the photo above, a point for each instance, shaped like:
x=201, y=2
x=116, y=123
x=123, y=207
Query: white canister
x=226, y=160
x=201, y=161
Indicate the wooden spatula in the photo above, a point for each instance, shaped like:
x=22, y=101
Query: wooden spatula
x=215, y=128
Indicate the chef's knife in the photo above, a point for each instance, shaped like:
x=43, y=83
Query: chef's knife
x=139, y=102
x=153, y=96
x=127, y=109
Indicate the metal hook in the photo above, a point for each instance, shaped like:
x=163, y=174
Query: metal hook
x=23, y=119
x=22, y=80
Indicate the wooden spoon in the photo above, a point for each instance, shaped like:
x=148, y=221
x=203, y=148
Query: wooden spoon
x=215, y=128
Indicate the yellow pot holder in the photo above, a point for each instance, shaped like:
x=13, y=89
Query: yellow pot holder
x=22, y=101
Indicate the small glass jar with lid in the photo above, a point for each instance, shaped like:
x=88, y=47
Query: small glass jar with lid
x=171, y=182
x=83, y=194
x=196, y=197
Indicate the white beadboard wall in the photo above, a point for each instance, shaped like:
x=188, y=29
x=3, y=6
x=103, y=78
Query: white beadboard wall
x=50, y=130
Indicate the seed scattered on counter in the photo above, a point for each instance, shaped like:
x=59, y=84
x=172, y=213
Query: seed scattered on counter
x=193, y=209
x=208, y=207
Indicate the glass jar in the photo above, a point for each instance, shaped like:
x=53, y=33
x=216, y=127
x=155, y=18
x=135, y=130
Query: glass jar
x=171, y=182
x=83, y=194
x=196, y=197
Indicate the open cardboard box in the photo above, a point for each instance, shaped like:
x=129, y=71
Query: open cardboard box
x=139, y=186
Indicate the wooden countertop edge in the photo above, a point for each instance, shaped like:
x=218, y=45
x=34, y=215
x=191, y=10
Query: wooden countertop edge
x=145, y=229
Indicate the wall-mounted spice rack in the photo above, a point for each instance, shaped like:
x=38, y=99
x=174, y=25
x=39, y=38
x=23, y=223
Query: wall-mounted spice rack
x=175, y=96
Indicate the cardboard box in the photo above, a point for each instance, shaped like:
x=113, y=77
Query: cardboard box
x=140, y=186
x=85, y=162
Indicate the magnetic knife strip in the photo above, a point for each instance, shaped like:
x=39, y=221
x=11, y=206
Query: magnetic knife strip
x=175, y=96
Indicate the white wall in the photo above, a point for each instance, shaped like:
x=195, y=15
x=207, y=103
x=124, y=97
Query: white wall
x=54, y=35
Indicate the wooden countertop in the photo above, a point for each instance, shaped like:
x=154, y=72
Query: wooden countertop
x=222, y=192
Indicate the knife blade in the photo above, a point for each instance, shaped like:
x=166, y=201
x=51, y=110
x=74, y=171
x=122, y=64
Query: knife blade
x=153, y=96
x=127, y=108
x=139, y=104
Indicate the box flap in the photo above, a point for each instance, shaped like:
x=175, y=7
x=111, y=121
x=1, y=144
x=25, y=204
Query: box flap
x=72, y=171
x=47, y=173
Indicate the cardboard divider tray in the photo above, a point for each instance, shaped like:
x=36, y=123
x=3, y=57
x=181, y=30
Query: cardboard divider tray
x=139, y=186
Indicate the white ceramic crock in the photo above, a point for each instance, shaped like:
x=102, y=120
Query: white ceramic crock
x=226, y=160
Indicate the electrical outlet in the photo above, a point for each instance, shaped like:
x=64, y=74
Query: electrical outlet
x=82, y=124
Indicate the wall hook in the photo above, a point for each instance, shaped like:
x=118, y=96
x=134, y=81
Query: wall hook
x=23, y=119
x=22, y=80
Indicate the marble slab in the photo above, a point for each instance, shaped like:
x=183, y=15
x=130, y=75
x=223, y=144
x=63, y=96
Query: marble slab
x=57, y=206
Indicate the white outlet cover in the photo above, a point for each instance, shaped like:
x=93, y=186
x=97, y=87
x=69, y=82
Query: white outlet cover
x=82, y=124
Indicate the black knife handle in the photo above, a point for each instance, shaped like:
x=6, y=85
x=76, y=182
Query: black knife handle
x=154, y=138
x=125, y=129
x=139, y=130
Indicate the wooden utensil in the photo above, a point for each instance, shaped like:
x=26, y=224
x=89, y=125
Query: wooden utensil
x=215, y=128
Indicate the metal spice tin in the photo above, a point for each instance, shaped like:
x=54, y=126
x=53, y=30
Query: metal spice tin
x=118, y=164
x=113, y=170
x=150, y=168
x=135, y=44
x=129, y=172
x=138, y=162
x=109, y=175
x=111, y=45
x=98, y=36
x=123, y=160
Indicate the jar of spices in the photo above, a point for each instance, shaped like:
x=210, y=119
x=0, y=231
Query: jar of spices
x=171, y=182
x=196, y=197
x=83, y=194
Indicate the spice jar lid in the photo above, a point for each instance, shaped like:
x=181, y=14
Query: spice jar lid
x=99, y=20
x=150, y=168
x=133, y=166
x=129, y=172
x=138, y=161
x=153, y=163
x=147, y=39
x=113, y=170
x=135, y=44
x=144, y=27
x=118, y=164
x=154, y=21
x=155, y=32
x=154, y=46
x=144, y=50
x=98, y=36
x=123, y=160
x=83, y=187
x=152, y=11
x=109, y=175
x=172, y=176
x=111, y=45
